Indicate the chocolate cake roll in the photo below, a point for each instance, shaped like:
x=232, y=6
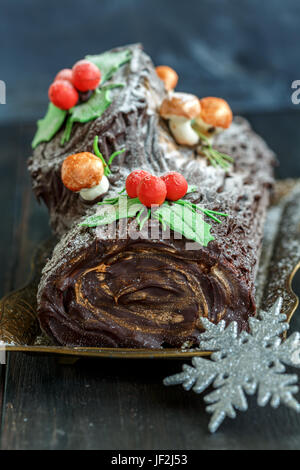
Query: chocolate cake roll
x=151, y=291
x=126, y=123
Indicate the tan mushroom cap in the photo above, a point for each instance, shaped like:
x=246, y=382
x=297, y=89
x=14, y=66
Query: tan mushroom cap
x=168, y=76
x=181, y=105
x=82, y=171
x=216, y=112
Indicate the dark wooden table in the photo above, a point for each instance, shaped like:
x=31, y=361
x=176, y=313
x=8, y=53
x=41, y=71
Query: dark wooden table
x=114, y=404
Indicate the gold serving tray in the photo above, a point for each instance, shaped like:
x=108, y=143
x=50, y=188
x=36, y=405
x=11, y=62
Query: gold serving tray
x=280, y=259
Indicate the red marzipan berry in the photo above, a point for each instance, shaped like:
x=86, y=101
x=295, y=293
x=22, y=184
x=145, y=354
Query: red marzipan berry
x=176, y=185
x=65, y=74
x=152, y=191
x=62, y=94
x=133, y=180
x=86, y=75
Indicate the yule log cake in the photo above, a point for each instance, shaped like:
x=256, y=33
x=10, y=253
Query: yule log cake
x=141, y=266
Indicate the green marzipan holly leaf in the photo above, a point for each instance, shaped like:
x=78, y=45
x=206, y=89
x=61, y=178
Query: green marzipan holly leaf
x=180, y=218
x=105, y=217
x=111, y=211
x=186, y=221
x=90, y=110
x=109, y=62
x=95, y=106
x=49, y=125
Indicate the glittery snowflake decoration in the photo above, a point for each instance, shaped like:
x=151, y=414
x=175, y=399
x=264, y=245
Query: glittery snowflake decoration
x=243, y=364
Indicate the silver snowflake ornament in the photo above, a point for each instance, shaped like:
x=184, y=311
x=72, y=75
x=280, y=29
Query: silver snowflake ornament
x=244, y=364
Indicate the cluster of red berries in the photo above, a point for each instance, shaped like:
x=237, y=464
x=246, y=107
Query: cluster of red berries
x=154, y=190
x=84, y=76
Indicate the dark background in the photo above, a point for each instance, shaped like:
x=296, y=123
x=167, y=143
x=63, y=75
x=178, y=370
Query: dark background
x=246, y=51
x=243, y=50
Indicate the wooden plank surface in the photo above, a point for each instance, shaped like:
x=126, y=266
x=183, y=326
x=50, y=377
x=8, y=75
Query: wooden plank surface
x=114, y=404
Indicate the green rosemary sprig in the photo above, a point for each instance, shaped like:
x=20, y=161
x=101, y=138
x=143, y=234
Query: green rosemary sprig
x=181, y=216
x=98, y=154
x=207, y=212
x=215, y=157
x=141, y=222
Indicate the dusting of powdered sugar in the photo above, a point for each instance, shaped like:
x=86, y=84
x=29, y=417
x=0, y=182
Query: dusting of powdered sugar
x=286, y=248
x=242, y=193
x=270, y=232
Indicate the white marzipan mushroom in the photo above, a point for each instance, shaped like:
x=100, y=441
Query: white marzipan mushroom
x=83, y=173
x=89, y=194
x=215, y=116
x=181, y=109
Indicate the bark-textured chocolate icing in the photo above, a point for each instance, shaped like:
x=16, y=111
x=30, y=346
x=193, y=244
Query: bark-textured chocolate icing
x=130, y=292
x=130, y=122
x=152, y=292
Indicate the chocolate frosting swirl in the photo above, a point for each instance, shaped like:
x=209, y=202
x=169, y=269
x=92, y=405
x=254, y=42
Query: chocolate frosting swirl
x=137, y=293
